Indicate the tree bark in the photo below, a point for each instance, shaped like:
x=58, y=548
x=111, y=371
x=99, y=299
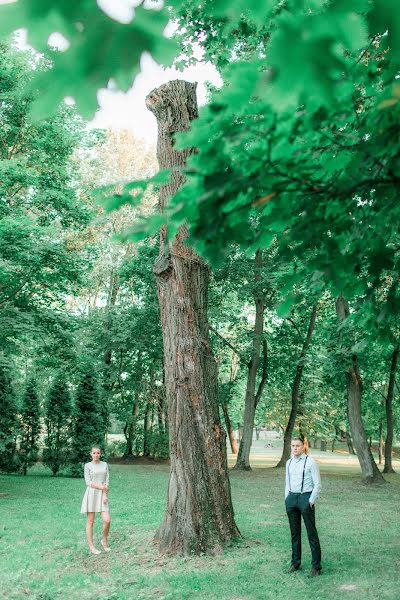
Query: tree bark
x=369, y=468
x=388, y=468
x=350, y=443
x=199, y=515
x=381, y=449
x=296, y=391
x=250, y=401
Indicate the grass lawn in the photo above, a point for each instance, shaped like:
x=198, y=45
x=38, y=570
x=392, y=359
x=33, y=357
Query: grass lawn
x=43, y=552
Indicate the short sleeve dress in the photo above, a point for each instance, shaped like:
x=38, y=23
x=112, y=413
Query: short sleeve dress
x=93, y=498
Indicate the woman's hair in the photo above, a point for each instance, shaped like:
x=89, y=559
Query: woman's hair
x=97, y=448
x=303, y=440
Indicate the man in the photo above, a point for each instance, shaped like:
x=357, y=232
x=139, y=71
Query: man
x=303, y=486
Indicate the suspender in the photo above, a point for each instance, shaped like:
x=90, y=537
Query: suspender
x=302, y=479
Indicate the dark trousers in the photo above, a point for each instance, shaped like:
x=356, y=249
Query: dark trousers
x=297, y=506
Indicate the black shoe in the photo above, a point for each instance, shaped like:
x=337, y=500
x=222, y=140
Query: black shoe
x=293, y=568
x=315, y=572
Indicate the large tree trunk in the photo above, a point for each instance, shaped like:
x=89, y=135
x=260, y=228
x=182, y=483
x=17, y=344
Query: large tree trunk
x=199, y=515
x=296, y=391
x=369, y=468
x=388, y=468
x=251, y=396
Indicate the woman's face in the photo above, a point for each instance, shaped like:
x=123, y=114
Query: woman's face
x=297, y=447
x=95, y=454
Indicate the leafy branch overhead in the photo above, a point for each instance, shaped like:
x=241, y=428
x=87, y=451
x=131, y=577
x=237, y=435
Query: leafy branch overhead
x=98, y=49
x=299, y=145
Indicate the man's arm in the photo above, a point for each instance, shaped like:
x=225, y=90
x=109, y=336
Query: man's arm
x=316, y=477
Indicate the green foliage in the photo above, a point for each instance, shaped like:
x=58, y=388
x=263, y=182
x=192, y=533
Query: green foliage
x=58, y=420
x=88, y=422
x=159, y=444
x=8, y=422
x=97, y=47
x=116, y=448
x=39, y=211
x=29, y=430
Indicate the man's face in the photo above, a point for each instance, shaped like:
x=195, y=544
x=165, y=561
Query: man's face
x=297, y=447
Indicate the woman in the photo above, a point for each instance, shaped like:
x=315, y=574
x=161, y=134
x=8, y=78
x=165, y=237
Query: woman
x=95, y=499
x=303, y=486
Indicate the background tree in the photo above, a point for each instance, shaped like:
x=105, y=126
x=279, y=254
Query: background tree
x=8, y=422
x=199, y=515
x=29, y=427
x=58, y=421
x=88, y=421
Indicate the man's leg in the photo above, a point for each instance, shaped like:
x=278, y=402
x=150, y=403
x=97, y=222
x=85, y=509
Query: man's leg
x=309, y=521
x=294, y=516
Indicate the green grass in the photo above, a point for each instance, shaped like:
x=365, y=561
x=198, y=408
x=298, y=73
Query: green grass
x=43, y=553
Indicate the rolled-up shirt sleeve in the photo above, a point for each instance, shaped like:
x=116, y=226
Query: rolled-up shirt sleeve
x=316, y=477
x=88, y=477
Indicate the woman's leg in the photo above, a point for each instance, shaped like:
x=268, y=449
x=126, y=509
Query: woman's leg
x=89, y=529
x=105, y=515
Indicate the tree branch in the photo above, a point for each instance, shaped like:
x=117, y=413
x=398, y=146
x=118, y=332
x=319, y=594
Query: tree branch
x=236, y=351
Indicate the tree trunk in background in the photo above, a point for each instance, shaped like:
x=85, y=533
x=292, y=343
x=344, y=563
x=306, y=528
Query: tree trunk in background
x=381, y=449
x=350, y=444
x=388, y=468
x=107, y=357
x=147, y=429
x=370, y=471
x=130, y=429
x=323, y=446
x=296, y=390
x=225, y=406
x=251, y=396
x=232, y=441
x=199, y=515
x=160, y=411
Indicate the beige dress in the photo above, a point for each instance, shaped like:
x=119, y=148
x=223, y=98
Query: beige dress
x=93, y=498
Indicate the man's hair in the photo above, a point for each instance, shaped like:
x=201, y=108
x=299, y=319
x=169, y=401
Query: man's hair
x=299, y=437
x=303, y=440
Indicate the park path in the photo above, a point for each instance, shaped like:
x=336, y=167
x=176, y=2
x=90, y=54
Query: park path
x=266, y=451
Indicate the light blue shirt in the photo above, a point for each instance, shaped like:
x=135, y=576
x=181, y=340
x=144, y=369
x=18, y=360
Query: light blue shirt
x=294, y=476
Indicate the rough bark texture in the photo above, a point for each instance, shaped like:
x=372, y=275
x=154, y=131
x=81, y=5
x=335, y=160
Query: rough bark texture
x=199, y=515
x=369, y=468
x=250, y=401
x=388, y=468
x=296, y=391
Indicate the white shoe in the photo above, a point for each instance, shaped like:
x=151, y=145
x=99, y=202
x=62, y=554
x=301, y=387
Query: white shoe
x=95, y=551
x=106, y=548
